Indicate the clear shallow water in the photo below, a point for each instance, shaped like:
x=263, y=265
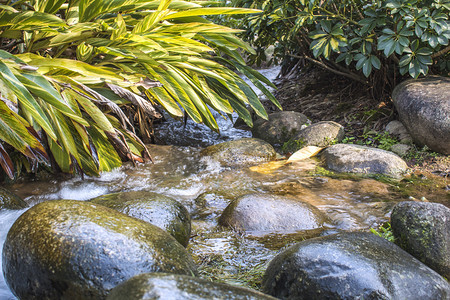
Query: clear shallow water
x=206, y=188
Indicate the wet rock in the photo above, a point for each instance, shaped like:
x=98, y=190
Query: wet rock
x=361, y=159
x=10, y=200
x=157, y=209
x=423, y=106
x=241, y=152
x=397, y=129
x=265, y=213
x=170, y=286
x=65, y=249
x=351, y=266
x=321, y=134
x=423, y=229
x=280, y=128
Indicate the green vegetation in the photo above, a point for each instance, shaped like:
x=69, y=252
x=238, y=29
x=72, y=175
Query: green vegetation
x=374, y=139
x=384, y=231
x=292, y=146
x=215, y=268
x=69, y=69
x=371, y=42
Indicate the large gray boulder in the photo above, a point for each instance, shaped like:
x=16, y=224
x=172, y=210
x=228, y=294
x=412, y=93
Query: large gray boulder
x=280, y=127
x=423, y=106
x=361, y=159
x=265, y=213
x=245, y=151
x=65, y=249
x=157, y=209
x=9, y=200
x=351, y=266
x=178, y=287
x=321, y=134
x=423, y=229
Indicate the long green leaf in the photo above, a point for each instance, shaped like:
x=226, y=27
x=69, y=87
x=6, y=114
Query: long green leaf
x=40, y=87
x=107, y=155
x=29, y=20
x=14, y=131
x=212, y=11
x=189, y=86
x=26, y=99
x=84, y=69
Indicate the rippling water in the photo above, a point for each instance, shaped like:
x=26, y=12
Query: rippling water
x=206, y=188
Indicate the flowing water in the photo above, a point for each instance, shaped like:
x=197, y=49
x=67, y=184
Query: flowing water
x=205, y=188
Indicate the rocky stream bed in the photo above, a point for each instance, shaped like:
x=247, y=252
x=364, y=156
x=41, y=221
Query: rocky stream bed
x=223, y=223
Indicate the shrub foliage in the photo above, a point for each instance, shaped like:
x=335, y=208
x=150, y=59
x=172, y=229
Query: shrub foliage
x=374, y=42
x=68, y=68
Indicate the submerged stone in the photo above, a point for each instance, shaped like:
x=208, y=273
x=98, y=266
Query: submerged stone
x=9, y=200
x=264, y=213
x=280, y=127
x=178, y=287
x=352, y=265
x=65, y=249
x=241, y=152
x=157, y=209
x=423, y=230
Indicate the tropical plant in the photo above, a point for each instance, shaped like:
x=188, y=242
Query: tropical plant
x=68, y=67
x=373, y=42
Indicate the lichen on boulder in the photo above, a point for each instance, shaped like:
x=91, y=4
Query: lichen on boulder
x=423, y=230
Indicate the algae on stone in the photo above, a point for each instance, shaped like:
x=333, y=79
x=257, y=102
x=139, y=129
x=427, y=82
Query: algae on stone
x=65, y=249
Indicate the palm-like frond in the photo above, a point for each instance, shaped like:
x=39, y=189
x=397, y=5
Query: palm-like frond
x=78, y=61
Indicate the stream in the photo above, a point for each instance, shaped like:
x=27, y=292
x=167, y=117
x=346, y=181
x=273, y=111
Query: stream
x=205, y=188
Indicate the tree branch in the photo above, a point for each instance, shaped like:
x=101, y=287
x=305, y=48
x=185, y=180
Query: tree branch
x=321, y=64
x=442, y=52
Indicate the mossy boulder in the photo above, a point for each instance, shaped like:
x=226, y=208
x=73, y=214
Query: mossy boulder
x=245, y=151
x=348, y=158
x=321, y=134
x=353, y=265
x=157, y=209
x=170, y=286
x=423, y=230
x=280, y=127
x=65, y=249
x=9, y=200
x=265, y=213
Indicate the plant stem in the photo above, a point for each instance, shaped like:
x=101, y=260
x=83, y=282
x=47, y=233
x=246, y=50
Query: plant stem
x=321, y=64
x=441, y=52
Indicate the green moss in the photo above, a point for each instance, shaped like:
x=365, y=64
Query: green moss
x=216, y=269
x=292, y=145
